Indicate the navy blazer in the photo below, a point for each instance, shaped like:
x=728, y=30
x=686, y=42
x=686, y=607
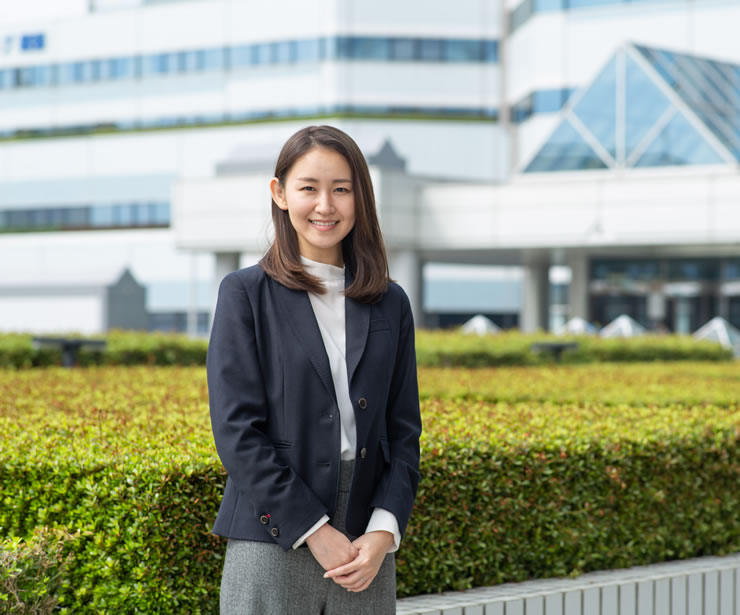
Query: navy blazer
x=275, y=417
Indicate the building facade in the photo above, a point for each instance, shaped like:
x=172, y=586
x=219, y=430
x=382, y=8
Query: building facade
x=592, y=142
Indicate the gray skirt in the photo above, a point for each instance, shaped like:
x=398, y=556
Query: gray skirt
x=260, y=578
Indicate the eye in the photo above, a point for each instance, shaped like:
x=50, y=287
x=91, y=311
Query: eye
x=308, y=188
x=342, y=189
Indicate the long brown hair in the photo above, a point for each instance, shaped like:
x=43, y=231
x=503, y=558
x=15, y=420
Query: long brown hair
x=362, y=248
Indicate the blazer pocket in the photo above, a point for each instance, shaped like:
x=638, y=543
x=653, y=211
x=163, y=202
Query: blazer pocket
x=380, y=324
x=282, y=444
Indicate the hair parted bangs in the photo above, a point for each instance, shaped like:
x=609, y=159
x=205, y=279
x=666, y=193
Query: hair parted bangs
x=363, y=248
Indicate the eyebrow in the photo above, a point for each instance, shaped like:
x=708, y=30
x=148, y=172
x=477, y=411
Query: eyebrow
x=316, y=181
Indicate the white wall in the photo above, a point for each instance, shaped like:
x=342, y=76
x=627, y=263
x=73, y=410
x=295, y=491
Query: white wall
x=51, y=313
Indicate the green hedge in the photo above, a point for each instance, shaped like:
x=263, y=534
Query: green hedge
x=31, y=572
x=123, y=457
x=433, y=348
x=451, y=348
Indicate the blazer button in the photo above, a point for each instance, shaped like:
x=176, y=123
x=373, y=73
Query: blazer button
x=362, y=402
x=264, y=519
x=274, y=531
x=363, y=453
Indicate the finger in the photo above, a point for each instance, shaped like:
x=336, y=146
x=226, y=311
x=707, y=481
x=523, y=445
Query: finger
x=343, y=570
x=351, y=580
x=363, y=587
x=355, y=583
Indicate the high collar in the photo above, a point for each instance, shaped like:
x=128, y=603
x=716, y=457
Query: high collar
x=324, y=271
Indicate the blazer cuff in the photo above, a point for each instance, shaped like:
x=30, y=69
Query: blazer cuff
x=313, y=528
x=385, y=520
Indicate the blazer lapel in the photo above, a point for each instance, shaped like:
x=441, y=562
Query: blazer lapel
x=298, y=313
x=357, y=325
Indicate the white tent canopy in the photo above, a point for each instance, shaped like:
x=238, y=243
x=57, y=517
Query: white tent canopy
x=720, y=331
x=480, y=325
x=577, y=326
x=622, y=326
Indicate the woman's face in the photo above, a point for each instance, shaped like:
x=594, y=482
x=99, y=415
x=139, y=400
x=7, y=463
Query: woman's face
x=319, y=197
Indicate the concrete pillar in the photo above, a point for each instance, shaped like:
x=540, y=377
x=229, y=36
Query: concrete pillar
x=406, y=269
x=536, y=297
x=226, y=262
x=578, y=288
x=192, y=315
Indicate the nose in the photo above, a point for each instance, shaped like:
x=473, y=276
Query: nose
x=324, y=203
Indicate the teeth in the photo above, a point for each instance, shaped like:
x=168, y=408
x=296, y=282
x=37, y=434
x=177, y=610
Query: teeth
x=322, y=223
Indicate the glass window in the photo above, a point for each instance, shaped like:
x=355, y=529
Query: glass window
x=162, y=213
x=343, y=47
x=370, y=48
x=576, y=4
x=619, y=269
x=523, y=109
x=78, y=217
x=431, y=50
x=101, y=215
x=241, y=55
x=548, y=101
x=78, y=72
x=565, y=150
x=263, y=53
x=284, y=52
x=6, y=80
x=106, y=70
x=214, y=59
x=731, y=270
x=122, y=215
x=645, y=103
x=44, y=75
x=121, y=68
x=555, y=5
x=308, y=50
x=490, y=50
x=597, y=108
x=693, y=269
x=457, y=50
x=24, y=77
x=403, y=49
x=677, y=144
x=329, y=48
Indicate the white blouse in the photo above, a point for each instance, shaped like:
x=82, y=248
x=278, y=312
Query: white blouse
x=329, y=311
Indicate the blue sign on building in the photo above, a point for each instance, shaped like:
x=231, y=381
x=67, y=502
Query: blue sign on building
x=31, y=42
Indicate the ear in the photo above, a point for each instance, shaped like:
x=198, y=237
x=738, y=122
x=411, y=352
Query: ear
x=278, y=193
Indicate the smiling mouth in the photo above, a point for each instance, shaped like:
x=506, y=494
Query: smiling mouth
x=324, y=223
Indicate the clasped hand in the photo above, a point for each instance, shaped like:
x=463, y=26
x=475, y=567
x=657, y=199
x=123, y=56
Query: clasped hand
x=353, y=565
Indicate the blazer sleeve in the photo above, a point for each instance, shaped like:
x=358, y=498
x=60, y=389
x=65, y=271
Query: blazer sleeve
x=239, y=417
x=397, y=487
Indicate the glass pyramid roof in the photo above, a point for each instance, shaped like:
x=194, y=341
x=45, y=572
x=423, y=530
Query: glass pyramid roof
x=649, y=107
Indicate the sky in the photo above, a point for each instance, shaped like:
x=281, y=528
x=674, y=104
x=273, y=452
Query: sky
x=26, y=11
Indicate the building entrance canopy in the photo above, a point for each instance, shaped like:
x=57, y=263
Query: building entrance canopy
x=648, y=108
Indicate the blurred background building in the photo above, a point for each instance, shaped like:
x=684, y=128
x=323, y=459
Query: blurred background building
x=533, y=160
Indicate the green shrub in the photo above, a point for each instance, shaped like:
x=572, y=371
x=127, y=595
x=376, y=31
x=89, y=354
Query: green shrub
x=510, y=490
x=31, y=571
x=451, y=348
x=433, y=349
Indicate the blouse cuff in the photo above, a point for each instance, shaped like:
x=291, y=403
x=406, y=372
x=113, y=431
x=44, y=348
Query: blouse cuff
x=313, y=528
x=385, y=520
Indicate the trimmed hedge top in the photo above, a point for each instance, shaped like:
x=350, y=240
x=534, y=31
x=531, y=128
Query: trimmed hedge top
x=433, y=348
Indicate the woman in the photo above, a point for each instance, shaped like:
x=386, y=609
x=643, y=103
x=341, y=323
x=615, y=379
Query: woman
x=314, y=399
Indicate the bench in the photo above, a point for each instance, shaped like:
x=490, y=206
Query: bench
x=554, y=348
x=69, y=346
